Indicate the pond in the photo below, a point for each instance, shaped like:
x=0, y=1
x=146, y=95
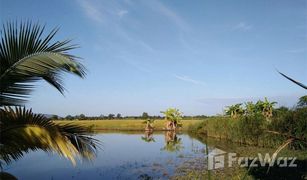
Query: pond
x=159, y=155
x=120, y=156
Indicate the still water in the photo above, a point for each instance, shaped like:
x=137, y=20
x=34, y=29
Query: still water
x=120, y=156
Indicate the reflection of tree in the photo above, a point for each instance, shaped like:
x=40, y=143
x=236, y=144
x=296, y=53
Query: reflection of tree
x=172, y=142
x=148, y=136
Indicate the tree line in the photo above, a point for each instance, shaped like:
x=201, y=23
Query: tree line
x=111, y=116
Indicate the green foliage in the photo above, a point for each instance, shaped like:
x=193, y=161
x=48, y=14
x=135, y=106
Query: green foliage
x=172, y=114
x=26, y=56
x=265, y=107
x=145, y=115
x=111, y=116
x=302, y=101
x=22, y=131
x=118, y=116
x=149, y=121
x=174, y=117
x=254, y=129
x=234, y=111
x=294, y=123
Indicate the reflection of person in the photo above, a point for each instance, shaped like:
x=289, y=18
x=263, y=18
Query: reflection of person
x=148, y=136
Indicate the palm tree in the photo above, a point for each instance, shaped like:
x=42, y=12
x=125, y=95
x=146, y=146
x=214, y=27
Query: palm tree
x=172, y=117
x=27, y=56
x=292, y=80
x=234, y=110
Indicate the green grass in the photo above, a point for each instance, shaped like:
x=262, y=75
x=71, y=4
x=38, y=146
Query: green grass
x=125, y=124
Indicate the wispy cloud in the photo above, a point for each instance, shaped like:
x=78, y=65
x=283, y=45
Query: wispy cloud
x=243, y=26
x=122, y=13
x=188, y=79
x=170, y=14
x=298, y=50
x=136, y=65
x=91, y=11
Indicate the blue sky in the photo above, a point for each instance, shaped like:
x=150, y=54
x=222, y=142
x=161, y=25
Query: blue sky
x=198, y=56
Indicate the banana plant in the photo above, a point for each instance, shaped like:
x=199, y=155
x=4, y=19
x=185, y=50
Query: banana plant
x=250, y=108
x=173, y=117
x=149, y=124
x=234, y=111
x=268, y=108
x=265, y=107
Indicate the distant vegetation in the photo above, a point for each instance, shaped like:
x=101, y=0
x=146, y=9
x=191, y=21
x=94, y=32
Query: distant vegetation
x=125, y=125
x=143, y=116
x=263, y=126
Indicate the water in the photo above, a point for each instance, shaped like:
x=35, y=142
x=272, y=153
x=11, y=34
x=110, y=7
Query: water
x=121, y=156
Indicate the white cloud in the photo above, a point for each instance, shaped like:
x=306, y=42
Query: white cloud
x=170, y=14
x=91, y=11
x=122, y=13
x=188, y=79
x=242, y=26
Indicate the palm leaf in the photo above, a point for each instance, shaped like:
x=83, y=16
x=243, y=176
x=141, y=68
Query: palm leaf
x=294, y=81
x=26, y=57
x=23, y=131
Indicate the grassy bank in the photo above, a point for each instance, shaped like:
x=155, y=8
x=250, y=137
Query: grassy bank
x=197, y=168
x=257, y=130
x=128, y=125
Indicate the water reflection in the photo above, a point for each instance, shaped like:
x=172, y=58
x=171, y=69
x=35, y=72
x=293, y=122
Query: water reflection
x=172, y=142
x=148, y=136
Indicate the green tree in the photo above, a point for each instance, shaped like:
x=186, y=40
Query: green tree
x=111, y=116
x=82, y=117
x=118, y=116
x=173, y=117
x=69, y=117
x=302, y=102
x=26, y=56
x=145, y=115
x=54, y=117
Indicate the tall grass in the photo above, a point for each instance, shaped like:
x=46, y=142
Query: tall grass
x=256, y=130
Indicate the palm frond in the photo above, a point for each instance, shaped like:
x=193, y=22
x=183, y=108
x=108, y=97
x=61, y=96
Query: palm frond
x=294, y=81
x=26, y=56
x=23, y=131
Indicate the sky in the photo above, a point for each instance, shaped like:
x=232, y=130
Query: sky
x=148, y=55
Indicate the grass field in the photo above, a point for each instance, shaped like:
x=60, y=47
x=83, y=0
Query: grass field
x=124, y=124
